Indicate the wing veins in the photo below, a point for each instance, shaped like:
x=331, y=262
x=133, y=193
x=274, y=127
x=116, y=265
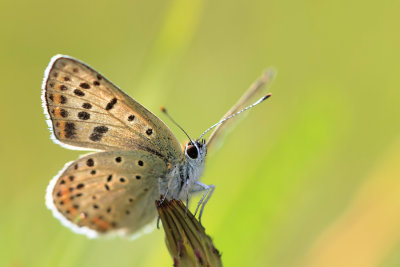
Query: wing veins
x=75, y=108
x=90, y=122
x=109, y=113
x=80, y=78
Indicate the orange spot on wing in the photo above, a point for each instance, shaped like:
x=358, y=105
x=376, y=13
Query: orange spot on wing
x=61, y=124
x=63, y=195
x=57, y=99
x=72, y=210
x=57, y=112
x=60, y=128
x=65, y=198
x=101, y=224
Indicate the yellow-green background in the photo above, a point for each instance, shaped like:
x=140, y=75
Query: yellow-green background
x=310, y=178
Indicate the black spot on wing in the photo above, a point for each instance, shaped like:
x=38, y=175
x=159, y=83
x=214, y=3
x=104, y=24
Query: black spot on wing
x=83, y=115
x=78, y=92
x=85, y=85
x=87, y=105
x=90, y=162
x=97, y=133
x=111, y=104
x=70, y=130
x=63, y=99
x=100, y=129
x=95, y=137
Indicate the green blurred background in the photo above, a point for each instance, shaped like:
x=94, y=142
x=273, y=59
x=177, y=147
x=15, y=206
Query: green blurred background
x=310, y=178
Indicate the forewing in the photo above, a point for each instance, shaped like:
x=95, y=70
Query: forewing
x=258, y=88
x=107, y=192
x=88, y=111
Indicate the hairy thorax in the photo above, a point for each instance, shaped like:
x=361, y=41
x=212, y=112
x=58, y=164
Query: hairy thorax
x=180, y=179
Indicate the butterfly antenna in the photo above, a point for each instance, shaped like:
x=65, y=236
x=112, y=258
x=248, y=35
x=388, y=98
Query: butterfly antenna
x=164, y=110
x=237, y=113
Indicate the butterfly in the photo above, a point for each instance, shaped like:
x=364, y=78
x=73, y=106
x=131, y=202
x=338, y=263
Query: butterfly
x=138, y=158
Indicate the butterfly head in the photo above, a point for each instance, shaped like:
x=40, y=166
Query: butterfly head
x=196, y=150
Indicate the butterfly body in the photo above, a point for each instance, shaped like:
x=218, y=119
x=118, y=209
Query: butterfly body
x=181, y=179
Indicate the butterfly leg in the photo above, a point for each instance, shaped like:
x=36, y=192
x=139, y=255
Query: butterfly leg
x=164, y=197
x=204, y=199
x=161, y=202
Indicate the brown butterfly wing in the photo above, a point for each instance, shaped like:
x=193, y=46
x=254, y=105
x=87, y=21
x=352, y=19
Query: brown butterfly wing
x=107, y=192
x=256, y=90
x=87, y=111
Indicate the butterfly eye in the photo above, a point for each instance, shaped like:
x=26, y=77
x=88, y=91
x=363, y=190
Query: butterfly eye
x=192, y=152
